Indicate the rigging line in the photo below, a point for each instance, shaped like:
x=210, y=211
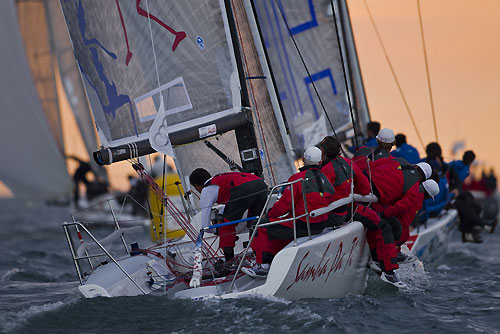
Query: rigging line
x=345, y=75
x=308, y=73
x=153, y=44
x=427, y=70
x=394, y=75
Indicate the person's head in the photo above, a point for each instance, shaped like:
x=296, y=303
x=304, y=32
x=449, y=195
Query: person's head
x=312, y=156
x=433, y=151
x=431, y=189
x=330, y=147
x=468, y=158
x=385, y=139
x=198, y=178
x=424, y=170
x=372, y=129
x=400, y=139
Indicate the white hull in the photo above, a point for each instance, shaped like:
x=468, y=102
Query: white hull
x=428, y=242
x=330, y=265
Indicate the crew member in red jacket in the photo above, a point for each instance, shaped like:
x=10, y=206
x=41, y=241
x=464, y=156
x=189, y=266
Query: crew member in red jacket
x=238, y=191
x=427, y=189
x=385, y=142
x=396, y=183
x=318, y=193
x=338, y=171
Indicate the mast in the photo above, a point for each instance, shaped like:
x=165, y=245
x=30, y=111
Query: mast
x=245, y=134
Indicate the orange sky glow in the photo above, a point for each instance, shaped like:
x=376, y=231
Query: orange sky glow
x=464, y=65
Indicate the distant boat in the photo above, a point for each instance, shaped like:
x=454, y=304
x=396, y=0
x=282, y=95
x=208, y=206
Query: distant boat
x=39, y=55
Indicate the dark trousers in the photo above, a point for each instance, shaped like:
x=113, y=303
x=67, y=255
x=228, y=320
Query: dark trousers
x=251, y=196
x=468, y=210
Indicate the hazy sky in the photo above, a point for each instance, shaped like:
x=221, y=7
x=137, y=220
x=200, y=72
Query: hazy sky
x=463, y=52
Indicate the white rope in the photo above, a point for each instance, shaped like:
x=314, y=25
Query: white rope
x=153, y=44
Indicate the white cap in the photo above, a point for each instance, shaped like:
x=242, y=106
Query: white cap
x=431, y=187
x=313, y=154
x=426, y=168
x=386, y=136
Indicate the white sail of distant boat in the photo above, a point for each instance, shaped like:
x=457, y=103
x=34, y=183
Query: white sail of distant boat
x=67, y=69
x=47, y=49
x=33, y=163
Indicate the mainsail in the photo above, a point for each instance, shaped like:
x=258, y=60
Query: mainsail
x=124, y=73
x=312, y=27
x=33, y=166
x=133, y=55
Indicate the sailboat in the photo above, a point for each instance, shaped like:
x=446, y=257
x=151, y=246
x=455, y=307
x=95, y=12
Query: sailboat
x=214, y=83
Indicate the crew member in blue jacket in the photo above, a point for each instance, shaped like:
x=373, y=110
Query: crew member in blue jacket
x=404, y=150
x=468, y=208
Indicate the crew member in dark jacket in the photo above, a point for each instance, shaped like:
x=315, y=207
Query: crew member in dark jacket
x=318, y=193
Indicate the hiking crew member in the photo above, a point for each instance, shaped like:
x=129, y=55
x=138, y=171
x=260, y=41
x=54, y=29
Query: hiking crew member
x=397, y=187
x=318, y=193
x=385, y=142
x=384, y=252
x=403, y=150
x=338, y=171
x=238, y=191
x=467, y=206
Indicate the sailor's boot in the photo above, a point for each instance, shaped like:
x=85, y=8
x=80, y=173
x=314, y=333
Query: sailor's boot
x=476, y=234
x=228, y=253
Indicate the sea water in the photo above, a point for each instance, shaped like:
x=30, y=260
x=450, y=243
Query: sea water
x=460, y=293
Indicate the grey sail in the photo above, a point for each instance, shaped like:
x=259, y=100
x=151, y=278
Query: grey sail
x=312, y=26
x=190, y=63
x=130, y=53
x=277, y=162
x=33, y=164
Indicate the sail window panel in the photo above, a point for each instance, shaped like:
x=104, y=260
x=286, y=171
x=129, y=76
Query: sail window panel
x=313, y=29
x=112, y=41
x=175, y=99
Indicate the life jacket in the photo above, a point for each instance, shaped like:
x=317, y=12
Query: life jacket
x=227, y=181
x=392, y=177
x=368, y=153
x=318, y=192
x=338, y=172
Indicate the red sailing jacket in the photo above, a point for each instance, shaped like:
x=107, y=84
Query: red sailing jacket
x=226, y=181
x=338, y=172
x=398, y=184
x=319, y=193
x=366, y=153
x=392, y=177
x=409, y=214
